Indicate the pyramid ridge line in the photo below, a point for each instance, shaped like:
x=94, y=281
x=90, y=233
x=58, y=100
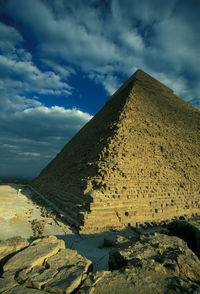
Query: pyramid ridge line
x=139, y=74
x=142, y=76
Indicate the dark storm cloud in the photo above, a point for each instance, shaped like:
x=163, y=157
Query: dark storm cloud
x=9, y=38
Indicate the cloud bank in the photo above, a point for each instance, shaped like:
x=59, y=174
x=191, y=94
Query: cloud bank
x=32, y=134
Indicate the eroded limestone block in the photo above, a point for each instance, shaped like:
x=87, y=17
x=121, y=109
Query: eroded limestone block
x=127, y=281
x=11, y=287
x=189, y=231
x=45, y=265
x=155, y=263
x=10, y=246
x=167, y=255
x=6, y=285
x=73, y=269
x=32, y=256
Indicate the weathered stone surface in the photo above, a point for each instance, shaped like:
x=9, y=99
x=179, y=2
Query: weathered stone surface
x=73, y=269
x=91, y=281
x=35, y=277
x=129, y=282
x=166, y=255
x=32, y=256
x=156, y=263
x=23, y=290
x=45, y=265
x=11, y=246
x=11, y=287
x=137, y=161
x=6, y=285
x=140, y=263
x=189, y=231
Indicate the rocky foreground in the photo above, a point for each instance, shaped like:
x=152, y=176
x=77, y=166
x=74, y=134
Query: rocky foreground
x=140, y=261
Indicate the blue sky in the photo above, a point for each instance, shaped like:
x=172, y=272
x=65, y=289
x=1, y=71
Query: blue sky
x=61, y=60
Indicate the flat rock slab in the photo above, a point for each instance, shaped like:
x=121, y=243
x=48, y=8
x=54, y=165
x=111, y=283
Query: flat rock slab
x=44, y=265
x=73, y=269
x=11, y=287
x=11, y=246
x=33, y=256
x=6, y=284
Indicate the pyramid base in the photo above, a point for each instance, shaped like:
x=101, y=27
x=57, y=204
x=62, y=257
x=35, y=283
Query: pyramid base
x=103, y=227
x=98, y=217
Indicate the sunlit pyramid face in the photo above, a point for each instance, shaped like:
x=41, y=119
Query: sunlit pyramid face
x=136, y=161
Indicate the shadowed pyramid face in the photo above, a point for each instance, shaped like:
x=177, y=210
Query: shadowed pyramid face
x=137, y=160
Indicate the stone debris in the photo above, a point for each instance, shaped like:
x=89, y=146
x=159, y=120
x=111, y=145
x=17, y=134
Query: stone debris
x=37, y=228
x=32, y=256
x=137, y=161
x=45, y=265
x=156, y=263
x=189, y=231
x=18, y=289
x=138, y=263
x=11, y=246
x=127, y=281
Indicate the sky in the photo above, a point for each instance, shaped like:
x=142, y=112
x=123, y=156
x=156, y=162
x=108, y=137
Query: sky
x=60, y=61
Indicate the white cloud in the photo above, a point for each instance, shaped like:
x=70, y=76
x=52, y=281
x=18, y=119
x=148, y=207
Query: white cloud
x=178, y=84
x=32, y=154
x=33, y=134
x=24, y=76
x=18, y=72
x=111, y=83
x=63, y=71
x=116, y=36
x=133, y=40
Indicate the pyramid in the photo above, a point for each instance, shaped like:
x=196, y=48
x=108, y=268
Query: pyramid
x=136, y=161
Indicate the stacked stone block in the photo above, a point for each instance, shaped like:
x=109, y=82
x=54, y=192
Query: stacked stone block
x=136, y=161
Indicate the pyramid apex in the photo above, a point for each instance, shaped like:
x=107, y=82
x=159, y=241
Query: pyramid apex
x=146, y=78
x=138, y=71
x=143, y=78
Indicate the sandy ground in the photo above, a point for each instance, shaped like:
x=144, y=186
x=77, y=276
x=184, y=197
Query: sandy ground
x=21, y=216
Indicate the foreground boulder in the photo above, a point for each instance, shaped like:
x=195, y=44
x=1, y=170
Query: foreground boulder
x=138, y=263
x=155, y=263
x=11, y=287
x=32, y=256
x=189, y=231
x=129, y=282
x=45, y=265
x=11, y=246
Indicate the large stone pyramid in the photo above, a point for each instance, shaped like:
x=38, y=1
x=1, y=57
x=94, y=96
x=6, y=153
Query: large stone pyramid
x=136, y=161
